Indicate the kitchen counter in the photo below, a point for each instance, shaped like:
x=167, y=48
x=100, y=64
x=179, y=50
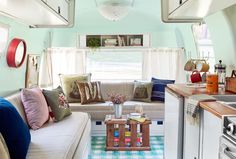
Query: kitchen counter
x=215, y=108
x=185, y=91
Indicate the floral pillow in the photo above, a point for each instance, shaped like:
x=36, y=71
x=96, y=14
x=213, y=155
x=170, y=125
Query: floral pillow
x=57, y=102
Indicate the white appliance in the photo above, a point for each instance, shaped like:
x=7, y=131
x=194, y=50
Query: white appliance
x=227, y=149
x=173, y=130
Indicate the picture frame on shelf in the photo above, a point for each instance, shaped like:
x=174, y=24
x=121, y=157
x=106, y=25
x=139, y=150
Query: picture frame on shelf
x=32, y=70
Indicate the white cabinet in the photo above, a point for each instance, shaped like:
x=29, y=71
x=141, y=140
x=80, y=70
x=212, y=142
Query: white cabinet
x=64, y=6
x=191, y=135
x=173, y=125
x=61, y=7
x=201, y=138
x=191, y=10
x=211, y=132
x=173, y=4
x=40, y=13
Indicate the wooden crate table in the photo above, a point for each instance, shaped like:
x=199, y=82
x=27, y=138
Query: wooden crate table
x=127, y=135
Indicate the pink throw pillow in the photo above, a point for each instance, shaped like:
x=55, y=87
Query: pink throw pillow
x=36, y=108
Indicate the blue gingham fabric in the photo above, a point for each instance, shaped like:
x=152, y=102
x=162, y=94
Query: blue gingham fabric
x=99, y=143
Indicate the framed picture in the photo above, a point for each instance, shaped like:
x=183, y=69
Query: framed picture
x=32, y=70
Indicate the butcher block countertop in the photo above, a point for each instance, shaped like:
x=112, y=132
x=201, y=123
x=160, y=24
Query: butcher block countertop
x=215, y=108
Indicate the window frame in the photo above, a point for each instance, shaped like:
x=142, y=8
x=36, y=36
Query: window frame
x=198, y=45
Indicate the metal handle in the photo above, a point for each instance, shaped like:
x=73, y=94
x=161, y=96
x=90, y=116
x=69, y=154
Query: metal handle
x=230, y=129
x=59, y=10
x=228, y=153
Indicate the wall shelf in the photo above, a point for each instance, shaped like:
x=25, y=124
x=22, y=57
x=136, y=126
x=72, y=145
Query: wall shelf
x=118, y=41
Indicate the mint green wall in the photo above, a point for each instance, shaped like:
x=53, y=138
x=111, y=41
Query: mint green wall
x=222, y=26
x=144, y=18
x=12, y=79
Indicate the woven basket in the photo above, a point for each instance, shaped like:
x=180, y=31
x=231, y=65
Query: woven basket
x=231, y=82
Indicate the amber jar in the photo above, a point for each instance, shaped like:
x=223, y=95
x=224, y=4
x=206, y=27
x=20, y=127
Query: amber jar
x=212, y=83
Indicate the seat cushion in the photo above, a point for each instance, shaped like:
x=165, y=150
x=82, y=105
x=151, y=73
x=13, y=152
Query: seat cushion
x=124, y=88
x=14, y=130
x=58, y=140
x=154, y=110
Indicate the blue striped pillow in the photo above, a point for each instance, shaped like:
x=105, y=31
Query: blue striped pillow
x=158, y=89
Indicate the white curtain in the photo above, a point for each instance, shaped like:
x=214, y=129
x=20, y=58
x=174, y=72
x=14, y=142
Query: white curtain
x=45, y=72
x=60, y=61
x=164, y=63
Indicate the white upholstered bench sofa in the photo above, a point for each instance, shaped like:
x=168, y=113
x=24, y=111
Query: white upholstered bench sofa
x=67, y=139
x=154, y=110
x=71, y=137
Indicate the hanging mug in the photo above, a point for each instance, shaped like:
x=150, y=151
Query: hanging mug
x=190, y=65
x=202, y=66
x=196, y=77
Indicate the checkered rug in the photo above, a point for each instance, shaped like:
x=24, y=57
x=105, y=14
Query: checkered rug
x=98, y=150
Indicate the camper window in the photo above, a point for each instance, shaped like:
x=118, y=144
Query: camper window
x=204, y=43
x=116, y=65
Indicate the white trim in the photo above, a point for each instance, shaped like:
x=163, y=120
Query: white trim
x=4, y=47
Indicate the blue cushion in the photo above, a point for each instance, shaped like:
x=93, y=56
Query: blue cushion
x=14, y=131
x=158, y=89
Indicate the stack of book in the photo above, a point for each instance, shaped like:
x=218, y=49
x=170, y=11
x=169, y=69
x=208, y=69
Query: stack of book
x=127, y=138
x=137, y=117
x=110, y=42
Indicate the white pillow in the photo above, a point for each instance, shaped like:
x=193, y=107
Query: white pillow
x=4, y=154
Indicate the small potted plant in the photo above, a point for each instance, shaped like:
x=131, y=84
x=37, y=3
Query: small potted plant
x=93, y=43
x=117, y=101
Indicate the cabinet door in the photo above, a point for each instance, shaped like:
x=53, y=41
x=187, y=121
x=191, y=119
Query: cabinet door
x=173, y=126
x=191, y=135
x=64, y=8
x=53, y=4
x=211, y=132
x=59, y=6
x=173, y=4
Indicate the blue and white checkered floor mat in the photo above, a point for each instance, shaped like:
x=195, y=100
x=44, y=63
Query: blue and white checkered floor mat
x=98, y=150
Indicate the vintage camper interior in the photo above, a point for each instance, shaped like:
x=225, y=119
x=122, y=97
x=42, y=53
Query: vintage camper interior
x=118, y=79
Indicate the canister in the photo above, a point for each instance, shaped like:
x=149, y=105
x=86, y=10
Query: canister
x=220, y=69
x=212, y=83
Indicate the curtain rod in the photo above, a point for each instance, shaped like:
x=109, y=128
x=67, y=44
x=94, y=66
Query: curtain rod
x=118, y=49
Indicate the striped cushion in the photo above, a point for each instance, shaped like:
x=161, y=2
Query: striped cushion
x=158, y=89
x=90, y=92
